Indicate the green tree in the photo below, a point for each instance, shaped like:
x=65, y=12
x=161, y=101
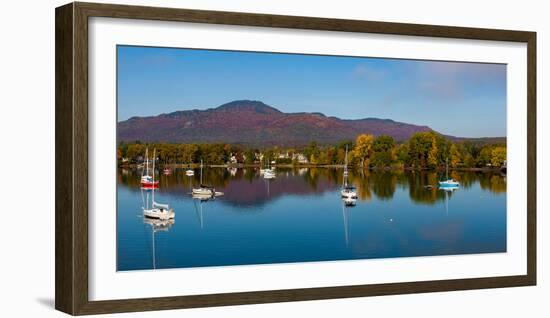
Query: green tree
x=402, y=153
x=134, y=151
x=249, y=156
x=383, y=143
x=312, y=152
x=382, y=147
x=427, y=149
x=420, y=145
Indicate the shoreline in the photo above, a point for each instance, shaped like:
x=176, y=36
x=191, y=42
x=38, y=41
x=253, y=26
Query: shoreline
x=298, y=166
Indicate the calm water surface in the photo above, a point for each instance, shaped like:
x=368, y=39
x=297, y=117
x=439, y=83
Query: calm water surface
x=300, y=217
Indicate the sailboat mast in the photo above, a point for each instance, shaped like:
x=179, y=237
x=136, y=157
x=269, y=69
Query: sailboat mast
x=346, y=158
x=345, y=167
x=201, y=172
x=154, y=154
x=147, y=161
x=447, y=168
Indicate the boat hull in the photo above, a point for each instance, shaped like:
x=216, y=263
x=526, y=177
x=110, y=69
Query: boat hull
x=159, y=214
x=446, y=184
x=348, y=194
x=209, y=192
x=150, y=185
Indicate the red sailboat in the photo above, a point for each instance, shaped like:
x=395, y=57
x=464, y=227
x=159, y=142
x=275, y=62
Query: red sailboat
x=147, y=181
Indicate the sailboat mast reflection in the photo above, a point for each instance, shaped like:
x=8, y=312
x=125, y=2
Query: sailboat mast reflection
x=157, y=225
x=346, y=204
x=198, y=207
x=447, y=191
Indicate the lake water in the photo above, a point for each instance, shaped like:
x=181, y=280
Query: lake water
x=300, y=217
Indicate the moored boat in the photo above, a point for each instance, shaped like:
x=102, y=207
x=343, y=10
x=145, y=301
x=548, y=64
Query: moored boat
x=269, y=173
x=157, y=210
x=148, y=181
x=348, y=191
x=449, y=182
x=203, y=190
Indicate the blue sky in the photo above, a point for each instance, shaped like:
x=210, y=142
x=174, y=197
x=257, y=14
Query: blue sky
x=460, y=99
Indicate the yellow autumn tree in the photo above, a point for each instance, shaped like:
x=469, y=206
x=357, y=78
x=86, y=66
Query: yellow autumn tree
x=363, y=149
x=498, y=156
x=432, y=155
x=455, y=156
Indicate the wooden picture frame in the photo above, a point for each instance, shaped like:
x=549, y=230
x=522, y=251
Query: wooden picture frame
x=71, y=220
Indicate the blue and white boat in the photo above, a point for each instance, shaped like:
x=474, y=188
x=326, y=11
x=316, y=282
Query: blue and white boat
x=449, y=183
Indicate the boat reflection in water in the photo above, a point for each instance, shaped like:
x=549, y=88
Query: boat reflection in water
x=157, y=225
x=448, y=191
x=346, y=204
x=198, y=201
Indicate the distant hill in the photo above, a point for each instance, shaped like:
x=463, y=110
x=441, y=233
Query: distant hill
x=255, y=123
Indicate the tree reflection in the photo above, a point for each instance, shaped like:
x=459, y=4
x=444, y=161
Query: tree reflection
x=496, y=183
x=383, y=184
x=246, y=185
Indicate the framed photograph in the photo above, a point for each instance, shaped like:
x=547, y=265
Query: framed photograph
x=211, y=158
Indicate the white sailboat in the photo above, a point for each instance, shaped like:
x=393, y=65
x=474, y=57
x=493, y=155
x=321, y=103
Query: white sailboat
x=203, y=190
x=348, y=191
x=269, y=173
x=157, y=210
x=448, y=183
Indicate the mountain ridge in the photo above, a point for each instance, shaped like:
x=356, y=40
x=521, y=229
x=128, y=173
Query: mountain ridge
x=255, y=123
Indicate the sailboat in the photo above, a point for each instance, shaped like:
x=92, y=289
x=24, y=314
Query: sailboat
x=148, y=181
x=157, y=210
x=204, y=190
x=269, y=173
x=348, y=191
x=448, y=183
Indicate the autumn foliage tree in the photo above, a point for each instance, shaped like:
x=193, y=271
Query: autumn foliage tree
x=363, y=149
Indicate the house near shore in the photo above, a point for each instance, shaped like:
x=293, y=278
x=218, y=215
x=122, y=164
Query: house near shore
x=300, y=158
x=296, y=157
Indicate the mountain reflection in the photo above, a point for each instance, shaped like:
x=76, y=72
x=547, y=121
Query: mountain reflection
x=246, y=187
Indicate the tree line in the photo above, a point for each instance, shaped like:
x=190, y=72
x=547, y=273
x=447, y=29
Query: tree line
x=424, y=150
